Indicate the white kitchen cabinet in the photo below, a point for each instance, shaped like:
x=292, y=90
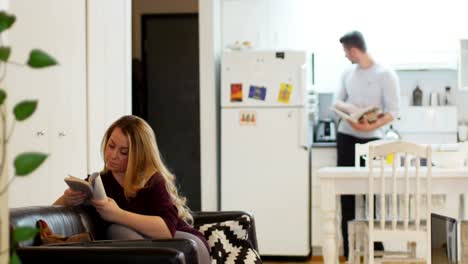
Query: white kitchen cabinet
x=60, y=125
x=435, y=124
x=321, y=157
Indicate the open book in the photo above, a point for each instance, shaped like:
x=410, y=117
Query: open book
x=93, y=188
x=354, y=114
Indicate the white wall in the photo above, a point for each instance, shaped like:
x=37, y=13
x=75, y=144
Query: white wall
x=210, y=36
x=109, y=70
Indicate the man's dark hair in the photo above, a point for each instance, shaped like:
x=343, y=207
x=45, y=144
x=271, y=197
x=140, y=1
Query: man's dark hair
x=354, y=39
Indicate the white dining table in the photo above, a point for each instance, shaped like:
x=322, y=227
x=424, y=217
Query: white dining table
x=335, y=181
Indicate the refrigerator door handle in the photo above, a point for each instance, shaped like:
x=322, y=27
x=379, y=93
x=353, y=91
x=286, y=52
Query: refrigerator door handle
x=303, y=121
x=302, y=85
x=303, y=118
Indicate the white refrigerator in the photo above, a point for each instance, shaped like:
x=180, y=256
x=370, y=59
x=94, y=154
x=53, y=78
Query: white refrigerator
x=265, y=143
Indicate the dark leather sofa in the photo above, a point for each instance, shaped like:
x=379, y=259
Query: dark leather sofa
x=68, y=221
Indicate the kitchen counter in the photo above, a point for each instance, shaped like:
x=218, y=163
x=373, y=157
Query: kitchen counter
x=324, y=145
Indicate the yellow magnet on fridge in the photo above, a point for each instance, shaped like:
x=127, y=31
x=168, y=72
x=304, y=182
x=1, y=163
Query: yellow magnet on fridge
x=284, y=93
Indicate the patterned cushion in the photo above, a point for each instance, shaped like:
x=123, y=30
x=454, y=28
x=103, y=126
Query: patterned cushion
x=229, y=242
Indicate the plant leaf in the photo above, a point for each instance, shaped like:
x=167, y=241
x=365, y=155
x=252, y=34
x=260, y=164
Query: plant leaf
x=5, y=53
x=6, y=21
x=3, y=96
x=27, y=162
x=40, y=59
x=15, y=258
x=23, y=233
x=24, y=109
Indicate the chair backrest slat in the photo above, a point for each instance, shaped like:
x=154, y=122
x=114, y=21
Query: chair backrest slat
x=370, y=196
x=418, y=195
x=394, y=191
x=429, y=190
x=406, y=199
x=383, y=210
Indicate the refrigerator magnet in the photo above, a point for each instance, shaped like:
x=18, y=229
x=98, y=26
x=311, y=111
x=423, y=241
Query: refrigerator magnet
x=236, y=92
x=257, y=92
x=247, y=118
x=284, y=93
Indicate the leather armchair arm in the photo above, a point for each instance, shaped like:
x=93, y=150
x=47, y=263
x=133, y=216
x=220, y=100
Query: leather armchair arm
x=184, y=246
x=115, y=255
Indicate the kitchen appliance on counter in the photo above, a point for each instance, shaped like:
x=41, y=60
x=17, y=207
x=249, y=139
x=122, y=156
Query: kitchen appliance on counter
x=434, y=99
x=392, y=134
x=325, y=127
x=325, y=131
x=265, y=143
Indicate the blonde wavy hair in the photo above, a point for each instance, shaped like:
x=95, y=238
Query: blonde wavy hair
x=144, y=161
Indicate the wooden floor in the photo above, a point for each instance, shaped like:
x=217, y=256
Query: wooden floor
x=313, y=260
x=316, y=260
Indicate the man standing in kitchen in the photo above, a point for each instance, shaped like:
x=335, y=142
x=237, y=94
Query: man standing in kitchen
x=365, y=83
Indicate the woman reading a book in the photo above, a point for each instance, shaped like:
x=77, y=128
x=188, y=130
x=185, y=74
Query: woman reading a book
x=365, y=85
x=142, y=199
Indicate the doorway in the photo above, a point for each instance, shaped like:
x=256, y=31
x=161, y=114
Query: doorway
x=169, y=101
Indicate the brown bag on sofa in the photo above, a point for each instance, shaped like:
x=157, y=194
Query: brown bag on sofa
x=46, y=236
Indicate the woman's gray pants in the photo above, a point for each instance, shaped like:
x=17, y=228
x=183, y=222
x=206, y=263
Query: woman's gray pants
x=120, y=232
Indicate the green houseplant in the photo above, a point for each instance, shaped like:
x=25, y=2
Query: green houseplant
x=24, y=163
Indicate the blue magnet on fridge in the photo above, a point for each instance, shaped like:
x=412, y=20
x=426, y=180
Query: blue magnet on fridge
x=257, y=92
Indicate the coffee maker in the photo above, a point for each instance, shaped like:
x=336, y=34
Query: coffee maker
x=325, y=131
x=325, y=128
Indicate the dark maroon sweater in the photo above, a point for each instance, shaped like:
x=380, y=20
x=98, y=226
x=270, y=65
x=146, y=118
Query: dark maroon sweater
x=153, y=199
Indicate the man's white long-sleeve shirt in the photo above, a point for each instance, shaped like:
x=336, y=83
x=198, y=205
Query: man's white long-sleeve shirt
x=375, y=86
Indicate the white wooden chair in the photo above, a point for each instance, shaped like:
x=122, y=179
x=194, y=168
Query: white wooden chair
x=357, y=228
x=411, y=185
x=362, y=151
